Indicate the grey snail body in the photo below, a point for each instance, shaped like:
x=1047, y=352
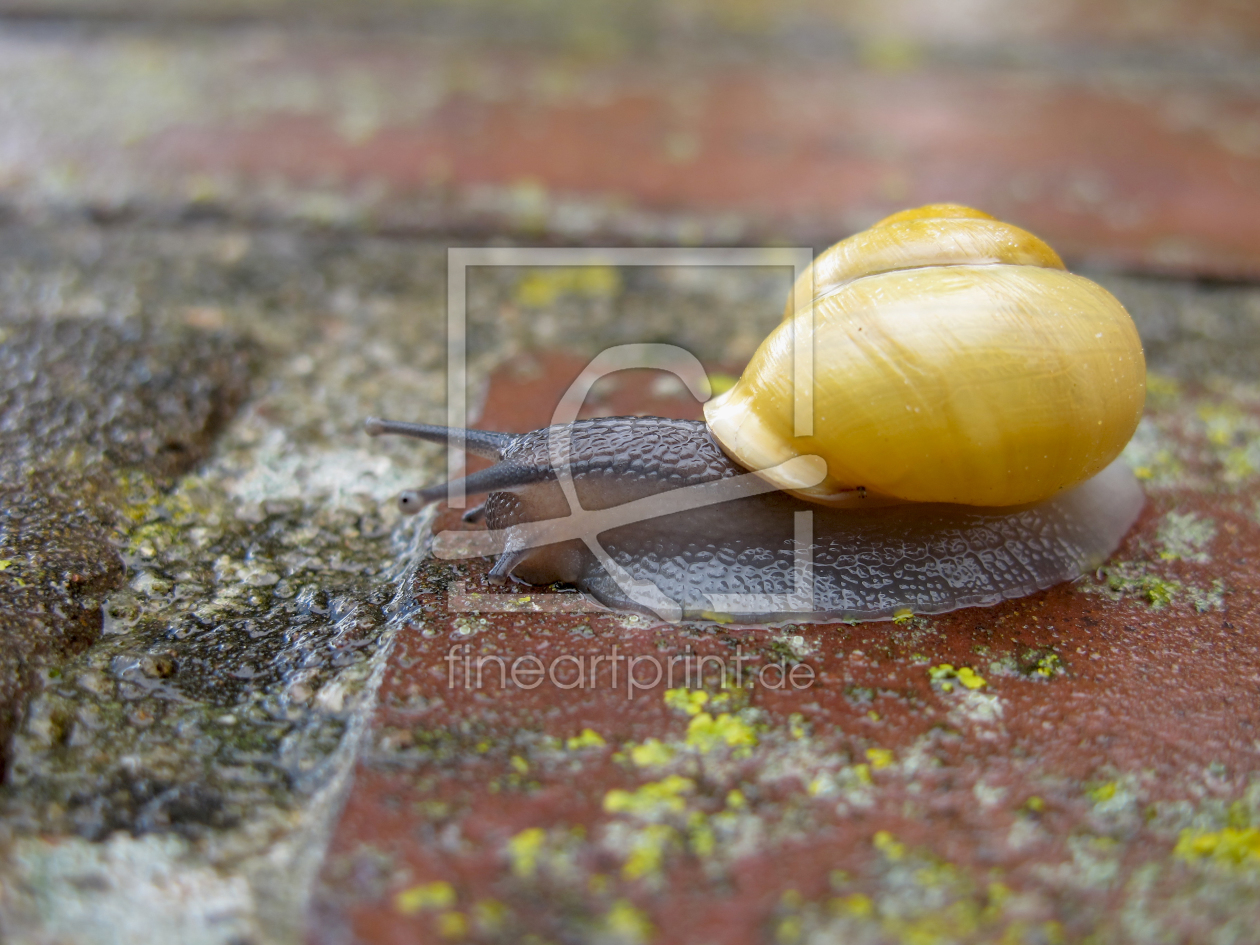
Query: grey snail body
x=865, y=563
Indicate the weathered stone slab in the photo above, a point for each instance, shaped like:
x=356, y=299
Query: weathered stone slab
x=183, y=768
x=84, y=404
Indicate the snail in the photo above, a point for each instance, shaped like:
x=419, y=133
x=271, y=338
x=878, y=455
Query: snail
x=967, y=399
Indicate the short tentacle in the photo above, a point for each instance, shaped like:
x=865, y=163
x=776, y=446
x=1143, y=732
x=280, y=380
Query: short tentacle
x=503, y=565
x=483, y=443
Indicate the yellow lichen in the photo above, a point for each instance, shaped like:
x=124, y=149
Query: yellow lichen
x=856, y=905
x=998, y=894
x=524, y=849
x=652, y=800
x=936, y=875
x=1234, y=846
x=489, y=915
x=735, y=799
x=648, y=851
x=885, y=844
x=796, y=725
x=1103, y=792
x=702, y=839
x=970, y=678
x=439, y=895
x=788, y=931
x=519, y=764
x=879, y=758
x=651, y=753
x=542, y=288
x=1048, y=666
x=707, y=733
x=688, y=701
x=452, y=925
x=627, y=923
x=588, y=738
x=902, y=616
x=941, y=675
x=945, y=676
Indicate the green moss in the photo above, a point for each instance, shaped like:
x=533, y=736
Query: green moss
x=1209, y=598
x=1133, y=579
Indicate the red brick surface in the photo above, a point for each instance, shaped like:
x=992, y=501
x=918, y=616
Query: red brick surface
x=1154, y=705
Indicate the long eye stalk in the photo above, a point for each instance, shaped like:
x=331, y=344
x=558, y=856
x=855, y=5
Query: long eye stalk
x=484, y=443
x=501, y=477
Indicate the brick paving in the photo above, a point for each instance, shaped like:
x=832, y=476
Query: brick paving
x=268, y=741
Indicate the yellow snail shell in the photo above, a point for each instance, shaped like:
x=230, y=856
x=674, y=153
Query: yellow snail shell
x=955, y=360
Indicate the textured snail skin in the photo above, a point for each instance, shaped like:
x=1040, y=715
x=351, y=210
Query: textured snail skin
x=867, y=563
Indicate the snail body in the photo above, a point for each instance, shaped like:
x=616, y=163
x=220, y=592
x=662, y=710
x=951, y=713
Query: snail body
x=970, y=399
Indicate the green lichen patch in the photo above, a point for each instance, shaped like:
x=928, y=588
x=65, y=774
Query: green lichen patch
x=1140, y=580
x=1035, y=663
x=1185, y=536
x=240, y=646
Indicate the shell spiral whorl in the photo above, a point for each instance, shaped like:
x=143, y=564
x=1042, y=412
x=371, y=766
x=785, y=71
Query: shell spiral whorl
x=955, y=361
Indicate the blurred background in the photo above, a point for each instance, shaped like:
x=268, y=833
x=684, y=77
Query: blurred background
x=1126, y=132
